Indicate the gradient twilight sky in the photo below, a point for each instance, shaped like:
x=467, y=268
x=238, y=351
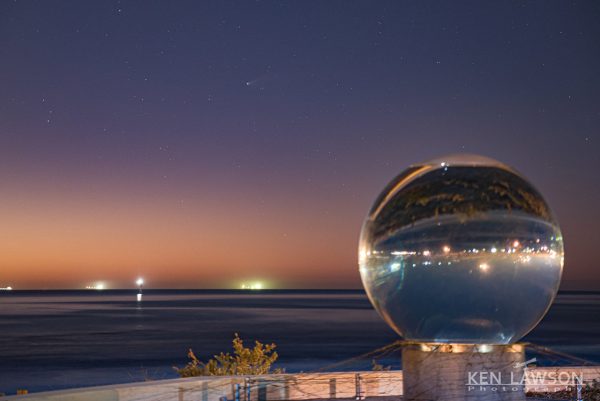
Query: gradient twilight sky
x=204, y=144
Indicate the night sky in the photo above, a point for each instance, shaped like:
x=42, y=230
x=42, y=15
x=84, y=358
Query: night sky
x=206, y=144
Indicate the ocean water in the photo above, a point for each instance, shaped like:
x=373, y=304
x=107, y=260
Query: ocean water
x=61, y=339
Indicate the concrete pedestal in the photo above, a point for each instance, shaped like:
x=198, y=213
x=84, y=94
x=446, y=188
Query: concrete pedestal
x=463, y=372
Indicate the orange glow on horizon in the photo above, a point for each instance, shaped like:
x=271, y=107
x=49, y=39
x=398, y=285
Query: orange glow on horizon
x=57, y=242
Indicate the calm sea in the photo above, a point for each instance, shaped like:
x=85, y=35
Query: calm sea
x=60, y=339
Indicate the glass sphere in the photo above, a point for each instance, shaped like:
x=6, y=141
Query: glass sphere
x=462, y=250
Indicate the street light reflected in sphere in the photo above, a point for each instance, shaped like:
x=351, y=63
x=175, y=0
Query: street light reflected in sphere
x=463, y=250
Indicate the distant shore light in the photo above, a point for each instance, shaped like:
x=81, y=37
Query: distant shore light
x=98, y=286
x=252, y=286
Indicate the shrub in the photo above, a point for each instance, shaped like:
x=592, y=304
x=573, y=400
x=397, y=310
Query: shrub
x=377, y=367
x=244, y=361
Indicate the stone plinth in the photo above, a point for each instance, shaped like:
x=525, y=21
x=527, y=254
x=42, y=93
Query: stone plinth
x=463, y=372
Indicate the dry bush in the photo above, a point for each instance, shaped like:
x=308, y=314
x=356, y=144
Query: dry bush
x=244, y=361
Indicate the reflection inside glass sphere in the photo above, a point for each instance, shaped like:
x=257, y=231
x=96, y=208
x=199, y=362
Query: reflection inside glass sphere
x=461, y=250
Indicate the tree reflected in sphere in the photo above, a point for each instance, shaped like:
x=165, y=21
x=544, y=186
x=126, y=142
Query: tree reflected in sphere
x=462, y=249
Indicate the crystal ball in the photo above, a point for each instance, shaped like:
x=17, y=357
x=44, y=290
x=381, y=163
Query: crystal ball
x=461, y=250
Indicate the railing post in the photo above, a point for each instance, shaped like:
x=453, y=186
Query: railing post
x=579, y=398
x=332, y=388
x=236, y=394
x=247, y=384
x=205, y=391
x=286, y=388
x=358, y=389
x=261, y=392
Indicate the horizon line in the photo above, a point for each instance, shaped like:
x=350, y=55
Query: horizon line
x=229, y=289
